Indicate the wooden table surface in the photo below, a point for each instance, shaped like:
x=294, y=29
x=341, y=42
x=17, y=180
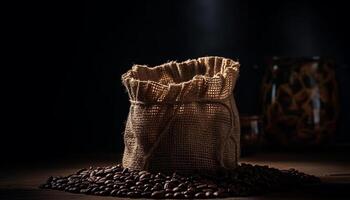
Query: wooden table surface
x=20, y=181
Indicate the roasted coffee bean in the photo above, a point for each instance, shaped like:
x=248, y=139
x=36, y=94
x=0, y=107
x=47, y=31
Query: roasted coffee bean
x=131, y=194
x=103, y=193
x=191, y=190
x=176, y=189
x=202, y=186
x=158, y=194
x=168, y=195
x=199, y=195
x=178, y=195
x=157, y=180
x=133, y=188
x=182, y=185
x=168, y=190
x=123, y=187
x=145, y=176
x=143, y=172
x=188, y=194
x=207, y=190
x=217, y=194
x=129, y=182
x=84, y=190
x=113, y=192
x=209, y=194
x=169, y=185
x=158, y=186
x=80, y=171
x=73, y=189
x=120, y=193
x=244, y=180
x=125, y=170
x=109, y=176
x=175, y=181
x=139, y=183
x=160, y=176
x=146, y=194
x=93, y=190
x=100, y=172
x=124, y=190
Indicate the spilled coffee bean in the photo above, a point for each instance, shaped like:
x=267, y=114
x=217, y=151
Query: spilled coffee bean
x=245, y=180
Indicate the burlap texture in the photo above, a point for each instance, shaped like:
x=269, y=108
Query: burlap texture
x=182, y=116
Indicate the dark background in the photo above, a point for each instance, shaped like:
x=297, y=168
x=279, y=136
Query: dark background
x=66, y=97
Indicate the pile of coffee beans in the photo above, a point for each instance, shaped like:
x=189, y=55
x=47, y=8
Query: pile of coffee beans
x=245, y=180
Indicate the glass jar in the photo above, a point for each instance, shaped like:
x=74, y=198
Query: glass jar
x=300, y=101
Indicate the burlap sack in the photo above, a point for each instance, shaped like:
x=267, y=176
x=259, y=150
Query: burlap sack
x=182, y=116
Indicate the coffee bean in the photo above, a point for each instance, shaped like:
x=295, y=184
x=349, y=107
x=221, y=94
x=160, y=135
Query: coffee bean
x=217, y=194
x=158, y=186
x=143, y=172
x=157, y=180
x=182, y=185
x=168, y=195
x=103, y=193
x=124, y=190
x=169, y=185
x=110, y=185
x=130, y=194
x=145, y=176
x=80, y=171
x=133, y=188
x=191, y=190
x=202, y=186
x=158, y=194
x=168, y=190
x=129, y=182
x=160, y=176
x=139, y=183
x=207, y=190
x=178, y=195
x=199, y=195
x=212, y=186
x=244, y=180
x=120, y=193
x=146, y=194
x=93, y=190
x=100, y=172
x=113, y=192
x=208, y=194
x=125, y=170
x=74, y=189
x=109, y=176
x=177, y=189
x=84, y=190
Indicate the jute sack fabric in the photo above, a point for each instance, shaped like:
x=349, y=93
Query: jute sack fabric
x=182, y=116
